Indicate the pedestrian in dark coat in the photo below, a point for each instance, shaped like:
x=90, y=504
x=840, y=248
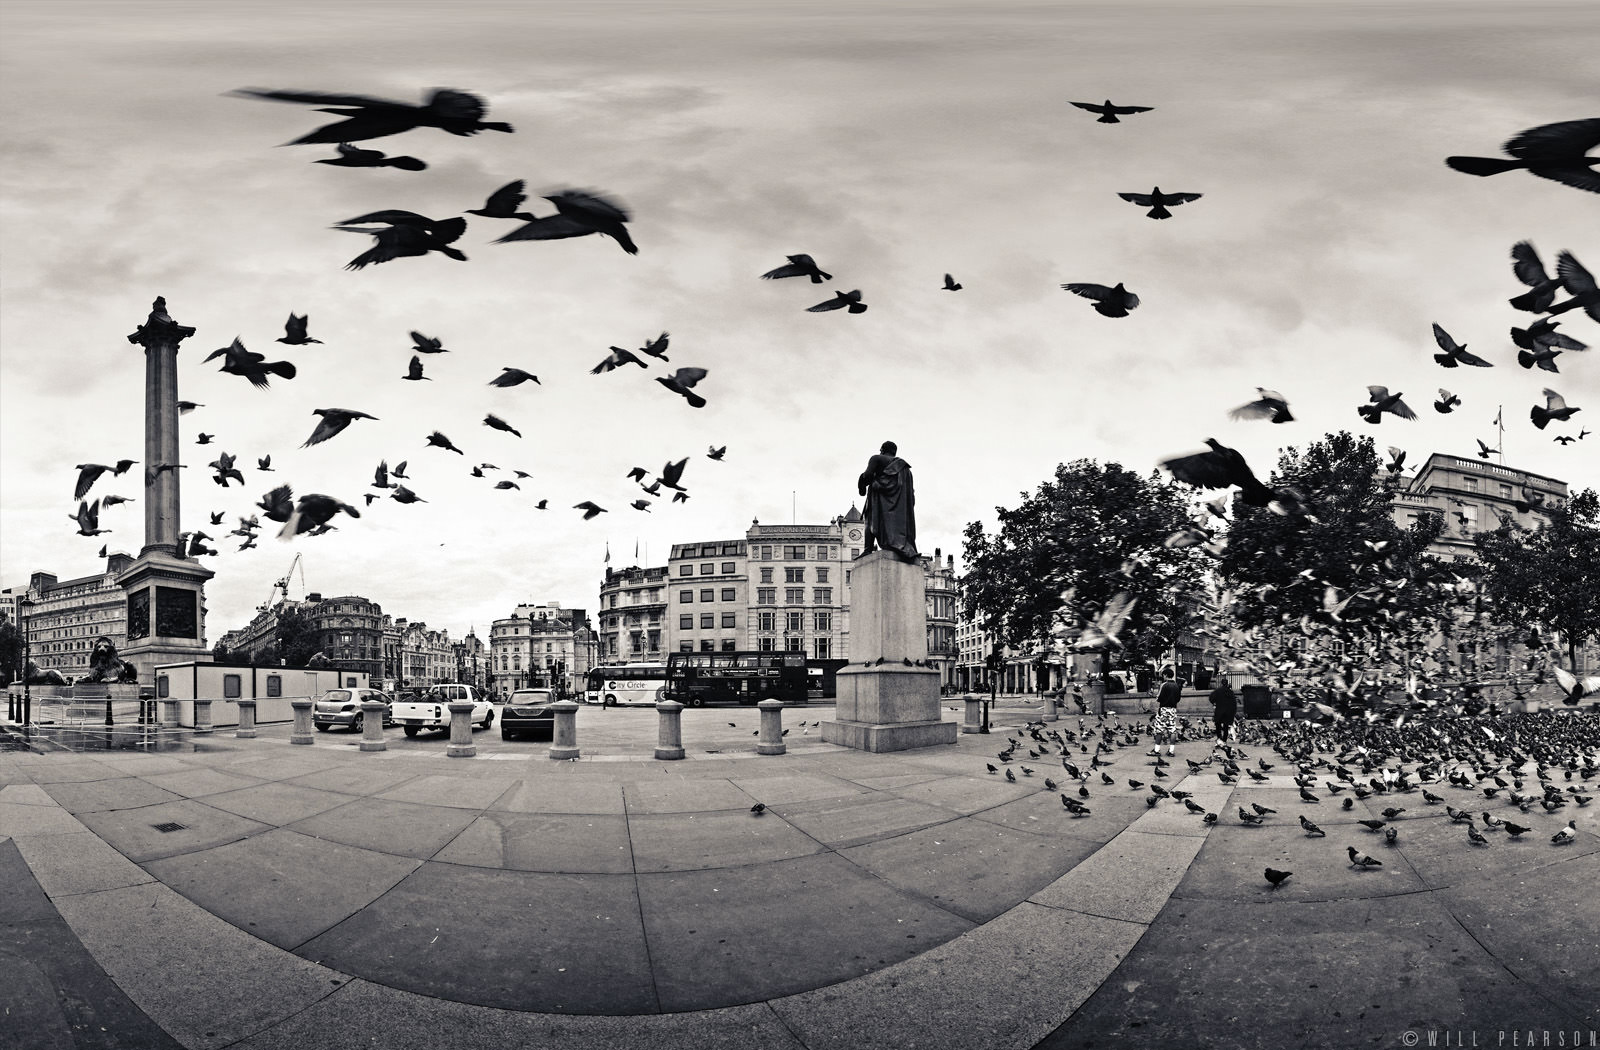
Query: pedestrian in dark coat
x=1225, y=708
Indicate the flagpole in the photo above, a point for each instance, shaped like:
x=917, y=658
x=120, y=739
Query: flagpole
x=1500, y=422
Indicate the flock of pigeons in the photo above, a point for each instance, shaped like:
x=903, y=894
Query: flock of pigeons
x=1533, y=768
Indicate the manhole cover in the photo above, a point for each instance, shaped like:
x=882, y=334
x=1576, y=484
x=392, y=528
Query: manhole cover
x=170, y=825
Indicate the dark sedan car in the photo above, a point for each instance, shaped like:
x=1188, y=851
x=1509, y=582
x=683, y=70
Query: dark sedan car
x=527, y=711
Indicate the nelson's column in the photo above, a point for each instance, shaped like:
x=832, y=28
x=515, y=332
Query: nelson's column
x=166, y=591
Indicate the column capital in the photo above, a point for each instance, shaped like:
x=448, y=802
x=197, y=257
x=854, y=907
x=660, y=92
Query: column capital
x=159, y=327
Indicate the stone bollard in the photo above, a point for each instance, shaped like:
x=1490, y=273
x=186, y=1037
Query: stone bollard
x=771, y=742
x=372, y=725
x=565, y=744
x=461, y=745
x=974, y=722
x=202, y=716
x=247, y=720
x=1050, y=714
x=169, y=714
x=669, y=734
x=108, y=710
x=302, y=733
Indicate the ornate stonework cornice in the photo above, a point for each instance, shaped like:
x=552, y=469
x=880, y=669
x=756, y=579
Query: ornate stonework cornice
x=159, y=328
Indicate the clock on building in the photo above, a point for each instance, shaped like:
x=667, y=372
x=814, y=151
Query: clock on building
x=855, y=534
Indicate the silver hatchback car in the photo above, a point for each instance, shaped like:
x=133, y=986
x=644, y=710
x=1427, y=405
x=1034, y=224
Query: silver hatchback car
x=342, y=707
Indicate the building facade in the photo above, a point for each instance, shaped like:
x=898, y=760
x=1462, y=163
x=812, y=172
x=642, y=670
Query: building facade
x=632, y=617
x=426, y=657
x=707, y=607
x=472, y=661
x=63, y=619
x=943, y=593
x=541, y=646
x=349, y=632
x=1472, y=496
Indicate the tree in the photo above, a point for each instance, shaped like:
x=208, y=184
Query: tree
x=297, y=637
x=10, y=651
x=1283, y=566
x=1549, y=575
x=1097, y=529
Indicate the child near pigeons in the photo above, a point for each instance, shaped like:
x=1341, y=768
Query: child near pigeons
x=1166, y=721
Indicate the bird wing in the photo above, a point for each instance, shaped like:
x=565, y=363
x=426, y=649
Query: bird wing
x=1260, y=409
x=831, y=304
x=1554, y=402
x=1473, y=359
x=549, y=228
x=448, y=230
x=1144, y=200
x=688, y=377
x=672, y=472
x=1568, y=139
x=1377, y=393
x=1208, y=470
x=323, y=98
x=1574, y=277
x=390, y=217
x=792, y=270
x=327, y=427
x=414, y=370
x=1180, y=198
x=1098, y=292
x=452, y=104
x=1131, y=109
x=1525, y=263
x=1094, y=107
x=1446, y=343
x=591, y=204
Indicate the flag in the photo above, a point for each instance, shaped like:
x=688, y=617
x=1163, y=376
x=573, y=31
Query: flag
x=608, y=552
x=635, y=550
x=1497, y=413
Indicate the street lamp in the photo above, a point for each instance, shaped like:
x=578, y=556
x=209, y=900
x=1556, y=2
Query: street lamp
x=23, y=605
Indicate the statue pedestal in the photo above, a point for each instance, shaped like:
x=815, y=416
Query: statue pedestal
x=888, y=697
x=166, y=611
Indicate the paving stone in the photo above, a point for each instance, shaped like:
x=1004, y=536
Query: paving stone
x=16, y=821
x=710, y=931
x=214, y=984
x=514, y=939
x=77, y=862
x=282, y=886
x=968, y=794
x=975, y=868
x=550, y=794
x=1004, y=985
x=1129, y=878
x=862, y=818
x=684, y=842
x=404, y=829
x=25, y=794
x=450, y=790
x=117, y=793
x=686, y=796
x=133, y=832
x=795, y=787
x=277, y=803
x=555, y=842
x=358, y=778
x=197, y=783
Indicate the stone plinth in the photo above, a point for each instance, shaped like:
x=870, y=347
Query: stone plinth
x=461, y=745
x=888, y=698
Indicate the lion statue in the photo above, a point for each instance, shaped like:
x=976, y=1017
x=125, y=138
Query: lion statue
x=35, y=675
x=106, y=666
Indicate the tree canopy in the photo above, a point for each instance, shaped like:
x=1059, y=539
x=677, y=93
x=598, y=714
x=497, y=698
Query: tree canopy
x=1097, y=529
x=1549, y=575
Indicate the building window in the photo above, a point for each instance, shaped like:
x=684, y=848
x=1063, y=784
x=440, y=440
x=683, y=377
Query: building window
x=766, y=575
x=708, y=645
x=766, y=553
x=274, y=685
x=763, y=644
x=708, y=621
x=163, y=689
x=730, y=619
x=855, y=552
x=685, y=647
x=230, y=687
x=708, y=568
x=794, y=575
x=686, y=570
x=686, y=622
x=686, y=597
x=728, y=594
x=730, y=645
x=794, y=595
x=766, y=596
x=822, y=596
x=820, y=645
x=823, y=621
x=766, y=621
x=613, y=601
x=728, y=568
x=822, y=575
x=794, y=621
x=1470, y=484
x=791, y=553
x=795, y=645
x=1505, y=491
x=708, y=594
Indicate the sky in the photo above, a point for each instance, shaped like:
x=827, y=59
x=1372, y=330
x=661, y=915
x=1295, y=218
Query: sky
x=894, y=142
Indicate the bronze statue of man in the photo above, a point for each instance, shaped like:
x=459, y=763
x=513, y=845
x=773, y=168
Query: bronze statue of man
x=890, y=504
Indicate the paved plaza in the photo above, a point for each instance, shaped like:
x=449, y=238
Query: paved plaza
x=214, y=892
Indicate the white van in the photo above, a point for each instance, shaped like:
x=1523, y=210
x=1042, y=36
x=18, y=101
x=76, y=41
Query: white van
x=431, y=710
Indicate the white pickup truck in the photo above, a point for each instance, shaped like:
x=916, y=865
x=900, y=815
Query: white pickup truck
x=431, y=710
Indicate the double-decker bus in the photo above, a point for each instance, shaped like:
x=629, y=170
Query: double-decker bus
x=697, y=679
x=611, y=685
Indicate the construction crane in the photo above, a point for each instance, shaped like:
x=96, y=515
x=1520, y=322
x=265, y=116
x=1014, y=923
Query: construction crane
x=280, y=588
